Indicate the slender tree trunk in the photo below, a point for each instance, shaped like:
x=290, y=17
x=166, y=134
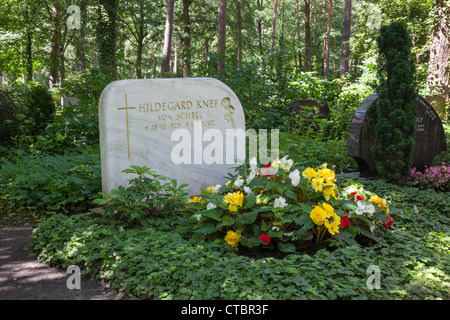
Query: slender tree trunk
x=345, y=47
x=274, y=23
x=299, y=37
x=139, y=59
x=239, y=33
x=259, y=27
x=80, y=50
x=175, y=59
x=308, y=35
x=141, y=34
x=438, y=67
x=186, y=39
x=107, y=36
x=222, y=28
x=55, y=48
x=326, y=67
x=167, y=50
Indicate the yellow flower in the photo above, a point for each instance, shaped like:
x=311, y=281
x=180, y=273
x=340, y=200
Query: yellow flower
x=232, y=238
x=210, y=189
x=328, y=191
x=332, y=228
x=328, y=209
x=328, y=175
x=318, y=215
x=317, y=184
x=235, y=200
x=309, y=173
x=228, y=183
x=375, y=199
x=195, y=199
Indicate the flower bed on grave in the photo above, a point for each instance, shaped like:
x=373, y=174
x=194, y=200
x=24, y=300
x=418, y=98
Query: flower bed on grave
x=279, y=208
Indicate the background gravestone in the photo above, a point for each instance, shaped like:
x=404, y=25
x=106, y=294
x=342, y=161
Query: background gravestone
x=307, y=111
x=138, y=119
x=429, y=137
x=66, y=100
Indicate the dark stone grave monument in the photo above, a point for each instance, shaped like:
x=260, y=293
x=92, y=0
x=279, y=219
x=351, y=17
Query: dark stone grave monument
x=429, y=137
x=308, y=110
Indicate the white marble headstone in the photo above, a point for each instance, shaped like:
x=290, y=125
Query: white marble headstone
x=189, y=129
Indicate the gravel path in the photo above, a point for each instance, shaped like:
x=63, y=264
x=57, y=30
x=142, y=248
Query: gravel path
x=23, y=277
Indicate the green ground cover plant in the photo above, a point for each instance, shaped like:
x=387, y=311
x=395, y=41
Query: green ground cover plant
x=42, y=184
x=163, y=260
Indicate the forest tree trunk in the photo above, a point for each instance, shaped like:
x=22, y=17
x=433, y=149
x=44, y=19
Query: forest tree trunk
x=308, y=35
x=438, y=67
x=167, y=50
x=326, y=67
x=274, y=23
x=222, y=28
x=345, y=47
x=186, y=39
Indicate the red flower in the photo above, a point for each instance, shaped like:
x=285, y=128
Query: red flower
x=351, y=195
x=265, y=171
x=265, y=238
x=345, y=222
x=359, y=198
x=389, y=223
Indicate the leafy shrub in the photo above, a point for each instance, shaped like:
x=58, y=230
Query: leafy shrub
x=275, y=205
x=67, y=183
x=311, y=151
x=144, y=197
x=10, y=117
x=40, y=106
x=437, y=178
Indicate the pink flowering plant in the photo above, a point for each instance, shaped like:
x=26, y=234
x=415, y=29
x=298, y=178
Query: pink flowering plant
x=437, y=178
x=280, y=205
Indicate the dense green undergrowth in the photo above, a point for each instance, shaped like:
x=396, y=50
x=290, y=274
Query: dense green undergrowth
x=162, y=261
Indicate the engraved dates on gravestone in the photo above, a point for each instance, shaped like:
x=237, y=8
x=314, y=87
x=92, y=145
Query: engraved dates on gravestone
x=429, y=137
x=188, y=129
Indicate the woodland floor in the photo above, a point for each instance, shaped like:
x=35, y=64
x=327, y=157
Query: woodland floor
x=23, y=277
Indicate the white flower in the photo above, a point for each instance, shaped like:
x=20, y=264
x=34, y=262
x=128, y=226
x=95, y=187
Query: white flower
x=251, y=176
x=370, y=209
x=361, y=206
x=288, y=234
x=239, y=182
x=247, y=189
x=253, y=162
x=217, y=188
x=280, y=202
x=295, y=177
x=286, y=164
x=210, y=206
x=198, y=217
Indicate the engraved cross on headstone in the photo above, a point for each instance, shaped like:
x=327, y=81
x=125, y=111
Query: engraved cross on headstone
x=126, y=116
